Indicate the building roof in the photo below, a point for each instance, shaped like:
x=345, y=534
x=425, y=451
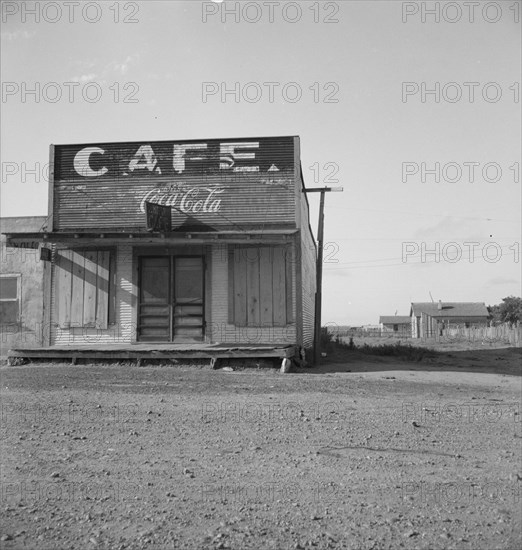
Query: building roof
x=450, y=309
x=394, y=319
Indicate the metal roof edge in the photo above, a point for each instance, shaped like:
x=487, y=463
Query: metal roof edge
x=194, y=140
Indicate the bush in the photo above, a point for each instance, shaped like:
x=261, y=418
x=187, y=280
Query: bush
x=326, y=338
x=407, y=352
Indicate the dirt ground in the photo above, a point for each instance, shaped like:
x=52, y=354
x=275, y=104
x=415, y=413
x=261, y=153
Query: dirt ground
x=364, y=453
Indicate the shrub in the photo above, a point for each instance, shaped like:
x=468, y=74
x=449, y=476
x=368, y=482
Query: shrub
x=407, y=352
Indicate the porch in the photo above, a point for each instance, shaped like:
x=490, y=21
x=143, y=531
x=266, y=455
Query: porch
x=147, y=351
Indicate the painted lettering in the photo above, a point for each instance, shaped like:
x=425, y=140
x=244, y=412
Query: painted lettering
x=144, y=159
x=178, y=162
x=82, y=162
x=232, y=156
x=229, y=155
x=190, y=201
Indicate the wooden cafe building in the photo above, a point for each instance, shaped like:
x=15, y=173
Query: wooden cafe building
x=198, y=248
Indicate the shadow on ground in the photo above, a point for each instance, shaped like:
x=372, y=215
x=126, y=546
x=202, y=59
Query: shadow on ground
x=488, y=361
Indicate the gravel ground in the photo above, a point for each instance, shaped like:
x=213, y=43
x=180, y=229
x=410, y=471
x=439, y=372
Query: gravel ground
x=389, y=455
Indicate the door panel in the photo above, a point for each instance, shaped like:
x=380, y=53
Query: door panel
x=171, y=299
x=188, y=279
x=188, y=299
x=154, y=307
x=184, y=334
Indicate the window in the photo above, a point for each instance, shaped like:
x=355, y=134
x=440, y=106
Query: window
x=9, y=298
x=260, y=286
x=85, y=288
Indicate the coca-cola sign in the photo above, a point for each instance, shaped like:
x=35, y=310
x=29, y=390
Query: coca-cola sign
x=189, y=200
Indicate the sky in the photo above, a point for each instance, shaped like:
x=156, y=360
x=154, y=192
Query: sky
x=414, y=110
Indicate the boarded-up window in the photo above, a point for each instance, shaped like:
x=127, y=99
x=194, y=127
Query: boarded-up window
x=260, y=286
x=85, y=288
x=9, y=299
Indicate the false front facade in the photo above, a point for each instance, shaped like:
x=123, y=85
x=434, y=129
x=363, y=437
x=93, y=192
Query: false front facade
x=178, y=242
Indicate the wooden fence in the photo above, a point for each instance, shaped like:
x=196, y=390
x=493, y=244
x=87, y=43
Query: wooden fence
x=431, y=328
x=433, y=332
x=501, y=334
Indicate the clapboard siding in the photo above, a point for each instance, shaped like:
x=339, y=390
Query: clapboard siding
x=308, y=274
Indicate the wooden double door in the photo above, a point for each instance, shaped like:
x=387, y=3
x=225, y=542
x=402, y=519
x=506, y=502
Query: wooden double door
x=171, y=299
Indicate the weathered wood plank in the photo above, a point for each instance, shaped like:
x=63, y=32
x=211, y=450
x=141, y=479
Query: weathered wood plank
x=240, y=288
x=89, y=288
x=78, y=271
x=289, y=268
x=102, y=289
x=63, y=287
x=265, y=286
x=231, y=294
x=113, y=287
x=279, y=287
x=253, y=297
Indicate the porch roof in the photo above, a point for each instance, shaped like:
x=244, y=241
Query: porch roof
x=33, y=239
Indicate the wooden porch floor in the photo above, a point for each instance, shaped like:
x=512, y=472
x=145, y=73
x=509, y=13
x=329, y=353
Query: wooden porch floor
x=145, y=351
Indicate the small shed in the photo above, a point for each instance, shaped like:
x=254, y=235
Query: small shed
x=428, y=318
x=395, y=323
x=197, y=248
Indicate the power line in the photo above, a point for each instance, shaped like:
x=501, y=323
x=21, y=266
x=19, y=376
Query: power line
x=426, y=253
x=349, y=265
x=422, y=214
x=403, y=239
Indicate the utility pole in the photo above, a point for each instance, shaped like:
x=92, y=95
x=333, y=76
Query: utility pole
x=319, y=269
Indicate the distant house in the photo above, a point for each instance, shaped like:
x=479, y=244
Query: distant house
x=394, y=323
x=427, y=318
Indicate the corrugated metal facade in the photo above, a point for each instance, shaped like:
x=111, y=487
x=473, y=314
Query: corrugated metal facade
x=236, y=184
